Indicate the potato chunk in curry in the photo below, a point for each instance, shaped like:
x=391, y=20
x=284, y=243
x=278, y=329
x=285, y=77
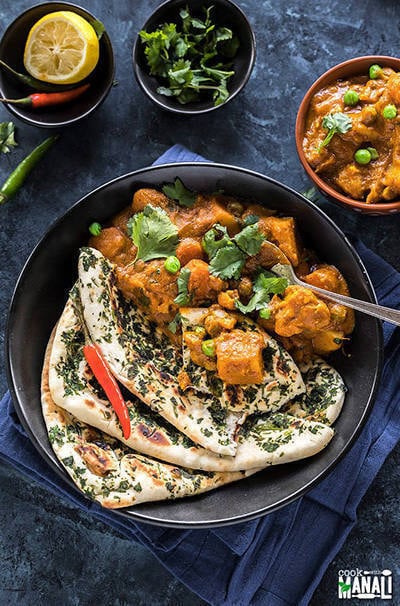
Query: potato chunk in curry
x=239, y=357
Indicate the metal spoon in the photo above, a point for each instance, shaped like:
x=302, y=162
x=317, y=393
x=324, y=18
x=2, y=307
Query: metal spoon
x=284, y=268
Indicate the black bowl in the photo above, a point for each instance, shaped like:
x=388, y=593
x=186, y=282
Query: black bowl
x=11, y=52
x=225, y=13
x=42, y=290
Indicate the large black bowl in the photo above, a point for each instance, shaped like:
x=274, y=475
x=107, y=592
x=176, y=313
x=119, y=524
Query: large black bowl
x=51, y=270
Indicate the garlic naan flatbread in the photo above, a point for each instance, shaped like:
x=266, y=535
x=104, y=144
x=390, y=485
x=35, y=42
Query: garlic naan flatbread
x=111, y=473
x=144, y=360
x=263, y=441
x=324, y=395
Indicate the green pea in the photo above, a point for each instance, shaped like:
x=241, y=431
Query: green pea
x=362, y=156
x=389, y=112
x=375, y=71
x=172, y=264
x=265, y=313
x=95, y=228
x=373, y=152
x=208, y=348
x=351, y=97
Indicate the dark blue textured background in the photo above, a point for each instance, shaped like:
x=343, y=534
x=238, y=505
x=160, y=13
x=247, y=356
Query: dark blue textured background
x=50, y=553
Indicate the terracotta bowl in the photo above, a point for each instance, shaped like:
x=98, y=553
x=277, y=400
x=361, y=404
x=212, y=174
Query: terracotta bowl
x=347, y=69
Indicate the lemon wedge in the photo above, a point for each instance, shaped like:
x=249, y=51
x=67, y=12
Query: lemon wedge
x=62, y=48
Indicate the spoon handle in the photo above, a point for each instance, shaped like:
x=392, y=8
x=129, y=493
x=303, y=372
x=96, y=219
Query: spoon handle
x=378, y=311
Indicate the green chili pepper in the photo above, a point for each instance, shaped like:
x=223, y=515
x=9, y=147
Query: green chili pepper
x=33, y=82
x=17, y=178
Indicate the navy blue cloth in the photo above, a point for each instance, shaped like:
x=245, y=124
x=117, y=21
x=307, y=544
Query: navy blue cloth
x=278, y=559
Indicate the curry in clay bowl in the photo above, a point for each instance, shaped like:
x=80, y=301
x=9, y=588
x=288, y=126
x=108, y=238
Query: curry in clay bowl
x=348, y=134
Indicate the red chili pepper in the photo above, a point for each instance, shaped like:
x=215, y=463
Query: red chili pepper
x=48, y=99
x=103, y=374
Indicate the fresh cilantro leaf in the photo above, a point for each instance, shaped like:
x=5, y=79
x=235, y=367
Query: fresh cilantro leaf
x=168, y=92
x=227, y=256
x=221, y=93
x=183, y=297
x=270, y=283
x=223, y=33
x=229, y=48
x=264, y=285
x=250, y=239
x=335, y=123
x=250, y=219
x=215, y=238
x=187, y=96
x=173, y=325
x=154, y=234
x=181, y=47
x=156, y=51
x=228, y=262
x=7, y=137
x=177, y=191
x=259, y=300
x=180, y=73
x=98, y=27
x=198, y=24
x=311, y=194
x=193, y=59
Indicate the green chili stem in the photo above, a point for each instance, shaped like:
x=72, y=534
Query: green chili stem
x=34, y=82
x=17, y=178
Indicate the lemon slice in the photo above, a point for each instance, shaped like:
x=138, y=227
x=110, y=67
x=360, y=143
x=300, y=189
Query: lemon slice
x=62, y=48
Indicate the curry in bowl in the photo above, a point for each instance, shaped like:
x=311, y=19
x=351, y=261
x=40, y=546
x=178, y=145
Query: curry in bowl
x=180, y=363
x=304, y=323
x=352, y=133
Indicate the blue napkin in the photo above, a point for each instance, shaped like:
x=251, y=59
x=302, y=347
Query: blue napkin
x=279, y=559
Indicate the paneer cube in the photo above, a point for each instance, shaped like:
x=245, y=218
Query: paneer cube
x=239, y=357
x=282, y=232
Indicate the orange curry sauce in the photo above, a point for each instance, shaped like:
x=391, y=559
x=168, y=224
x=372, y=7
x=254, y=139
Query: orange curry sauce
x=302, y=322
x=379, y=180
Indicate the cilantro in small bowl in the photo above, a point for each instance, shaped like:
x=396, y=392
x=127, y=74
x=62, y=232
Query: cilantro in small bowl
x=193, y=57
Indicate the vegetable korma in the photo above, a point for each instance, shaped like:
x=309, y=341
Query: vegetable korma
x=211, y=251
x=352, y=135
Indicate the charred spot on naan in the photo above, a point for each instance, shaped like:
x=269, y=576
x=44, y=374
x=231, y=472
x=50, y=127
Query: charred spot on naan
x=99, y=461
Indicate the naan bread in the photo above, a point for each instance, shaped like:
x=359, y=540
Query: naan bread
x=144, y=360
x=282, y=379
x=263, y=441
x=324, y=395
x=111, y=473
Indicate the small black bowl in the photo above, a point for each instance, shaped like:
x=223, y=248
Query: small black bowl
x=225, y=13
x=12, y=47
